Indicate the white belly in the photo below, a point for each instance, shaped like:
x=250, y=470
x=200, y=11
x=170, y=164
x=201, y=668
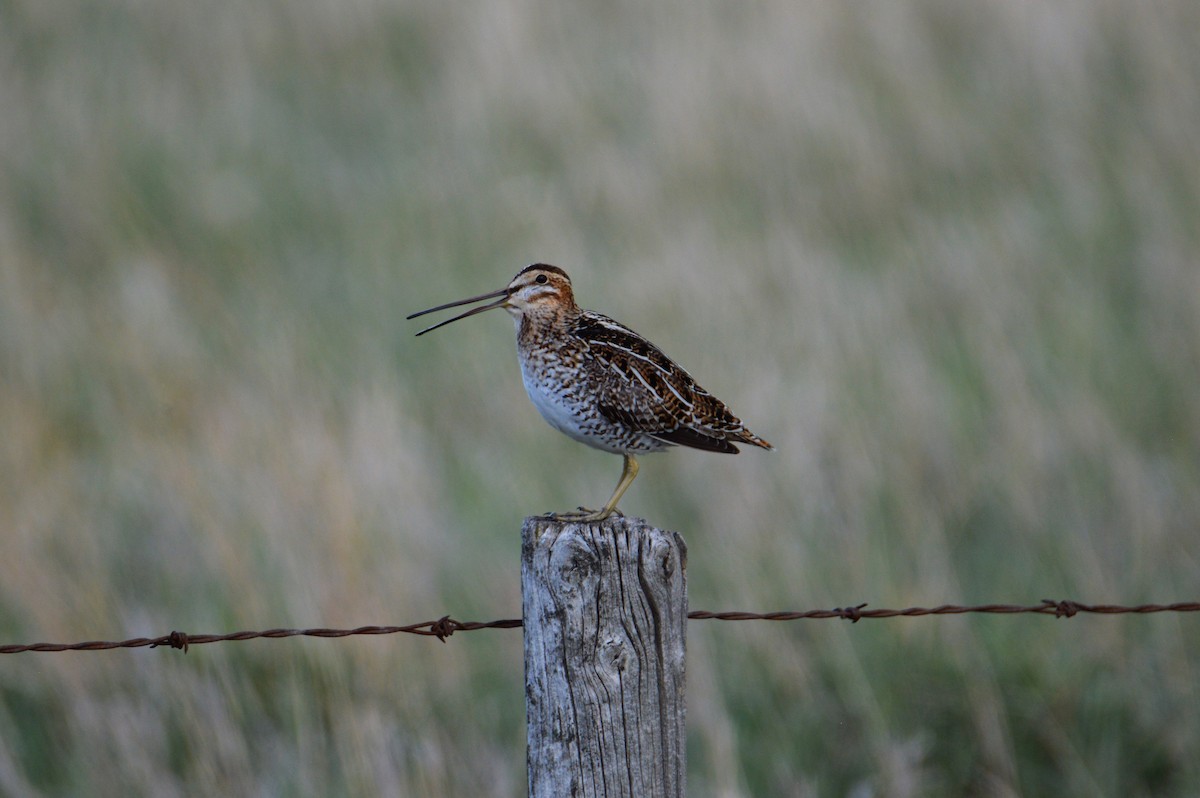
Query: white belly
x=559, y=414
x=575, y=414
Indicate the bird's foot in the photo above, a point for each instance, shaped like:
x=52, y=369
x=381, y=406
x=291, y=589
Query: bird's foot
x=584, y=514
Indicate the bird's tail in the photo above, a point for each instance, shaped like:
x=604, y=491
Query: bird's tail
x=746, y=436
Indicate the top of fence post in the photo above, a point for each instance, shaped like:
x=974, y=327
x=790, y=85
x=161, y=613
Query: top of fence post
x=605, y=616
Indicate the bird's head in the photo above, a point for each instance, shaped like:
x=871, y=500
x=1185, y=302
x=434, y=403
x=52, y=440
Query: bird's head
x=536, y=288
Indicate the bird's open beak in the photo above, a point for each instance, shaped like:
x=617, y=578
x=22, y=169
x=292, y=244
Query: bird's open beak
x=499, y=303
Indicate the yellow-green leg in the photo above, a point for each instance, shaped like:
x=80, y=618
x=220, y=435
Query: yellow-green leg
x=628, y=473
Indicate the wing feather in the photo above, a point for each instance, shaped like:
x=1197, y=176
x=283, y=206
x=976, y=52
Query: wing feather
x=644, y=390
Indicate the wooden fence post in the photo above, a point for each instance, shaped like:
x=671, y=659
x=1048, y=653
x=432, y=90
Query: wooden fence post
x=605, y=615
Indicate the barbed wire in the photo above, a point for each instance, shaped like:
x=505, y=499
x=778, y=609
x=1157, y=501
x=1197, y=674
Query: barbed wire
x=446, y=626
x=441, y=629
x=1059, y=609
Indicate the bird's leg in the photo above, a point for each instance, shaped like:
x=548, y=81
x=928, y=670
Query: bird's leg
x=628, y=472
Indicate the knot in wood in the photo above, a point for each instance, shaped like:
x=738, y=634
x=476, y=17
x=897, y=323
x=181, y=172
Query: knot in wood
x=614, y=655
x=662, y=555
x=574, y=563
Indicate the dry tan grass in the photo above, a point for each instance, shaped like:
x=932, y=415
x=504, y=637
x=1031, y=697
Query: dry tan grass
x=943, y=256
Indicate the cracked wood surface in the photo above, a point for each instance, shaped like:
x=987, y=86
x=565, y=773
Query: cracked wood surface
x=605, y=613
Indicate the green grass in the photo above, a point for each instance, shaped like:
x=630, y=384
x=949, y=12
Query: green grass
x=944, y=257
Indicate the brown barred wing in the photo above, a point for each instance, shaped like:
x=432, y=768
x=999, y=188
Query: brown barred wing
x=643, y=390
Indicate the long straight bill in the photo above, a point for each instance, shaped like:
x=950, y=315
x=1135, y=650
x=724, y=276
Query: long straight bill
x=502, y=294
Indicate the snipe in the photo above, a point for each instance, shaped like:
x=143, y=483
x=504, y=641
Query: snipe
x=600, y=382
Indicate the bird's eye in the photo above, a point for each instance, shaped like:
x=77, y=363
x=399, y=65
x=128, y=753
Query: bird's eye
x=541, y=279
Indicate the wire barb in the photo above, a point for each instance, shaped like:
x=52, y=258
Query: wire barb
x=446, y=626
x=177, y=640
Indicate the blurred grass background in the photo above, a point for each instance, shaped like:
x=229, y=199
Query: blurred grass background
x=944, y=256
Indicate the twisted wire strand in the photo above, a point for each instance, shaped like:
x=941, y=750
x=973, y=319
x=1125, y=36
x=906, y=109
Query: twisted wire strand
x=446, y=626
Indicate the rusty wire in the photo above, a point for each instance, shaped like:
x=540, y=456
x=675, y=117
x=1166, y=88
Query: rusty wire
x=446, y=626
x=441, y=629
x=1059, y=609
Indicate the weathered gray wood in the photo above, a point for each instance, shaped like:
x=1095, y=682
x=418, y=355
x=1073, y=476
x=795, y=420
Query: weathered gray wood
x=605, y=612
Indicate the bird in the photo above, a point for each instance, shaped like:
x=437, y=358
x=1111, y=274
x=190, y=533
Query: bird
x=601, y=383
